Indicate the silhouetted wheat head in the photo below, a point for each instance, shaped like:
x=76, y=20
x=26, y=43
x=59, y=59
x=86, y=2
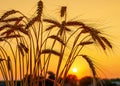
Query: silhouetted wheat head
x=31, y=46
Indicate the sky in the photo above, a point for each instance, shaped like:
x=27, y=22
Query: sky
x=104, y=14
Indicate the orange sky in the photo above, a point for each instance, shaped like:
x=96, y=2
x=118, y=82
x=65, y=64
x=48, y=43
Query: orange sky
x=105, y=14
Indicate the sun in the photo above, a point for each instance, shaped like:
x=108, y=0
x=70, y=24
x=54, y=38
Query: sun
x=75, y=70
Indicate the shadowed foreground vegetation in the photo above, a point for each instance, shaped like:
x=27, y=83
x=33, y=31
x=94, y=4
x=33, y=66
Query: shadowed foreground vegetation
x=72, y=80
x=27, y=46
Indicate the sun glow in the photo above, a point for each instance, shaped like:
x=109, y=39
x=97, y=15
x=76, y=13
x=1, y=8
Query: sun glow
x=75, y=70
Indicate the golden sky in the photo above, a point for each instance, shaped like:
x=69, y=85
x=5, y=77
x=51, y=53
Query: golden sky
x=104, y=14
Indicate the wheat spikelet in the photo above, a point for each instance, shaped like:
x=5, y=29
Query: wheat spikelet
x=57, y=38
x=47, y=51
x=40, y=9
x=106, y=41
x=6, y=14
x=63, y=11
x=91, y=65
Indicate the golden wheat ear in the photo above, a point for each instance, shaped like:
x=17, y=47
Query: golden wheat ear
x=12, y=19
x=8, y=13
x=91, y=65
x=74, y=23
x=96, y=36
x=47, y=51
x=40, y=9
x=85, y=43
x=63, y=11
x=57, y=38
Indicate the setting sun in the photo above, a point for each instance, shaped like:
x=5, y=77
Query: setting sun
x=74, y=70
